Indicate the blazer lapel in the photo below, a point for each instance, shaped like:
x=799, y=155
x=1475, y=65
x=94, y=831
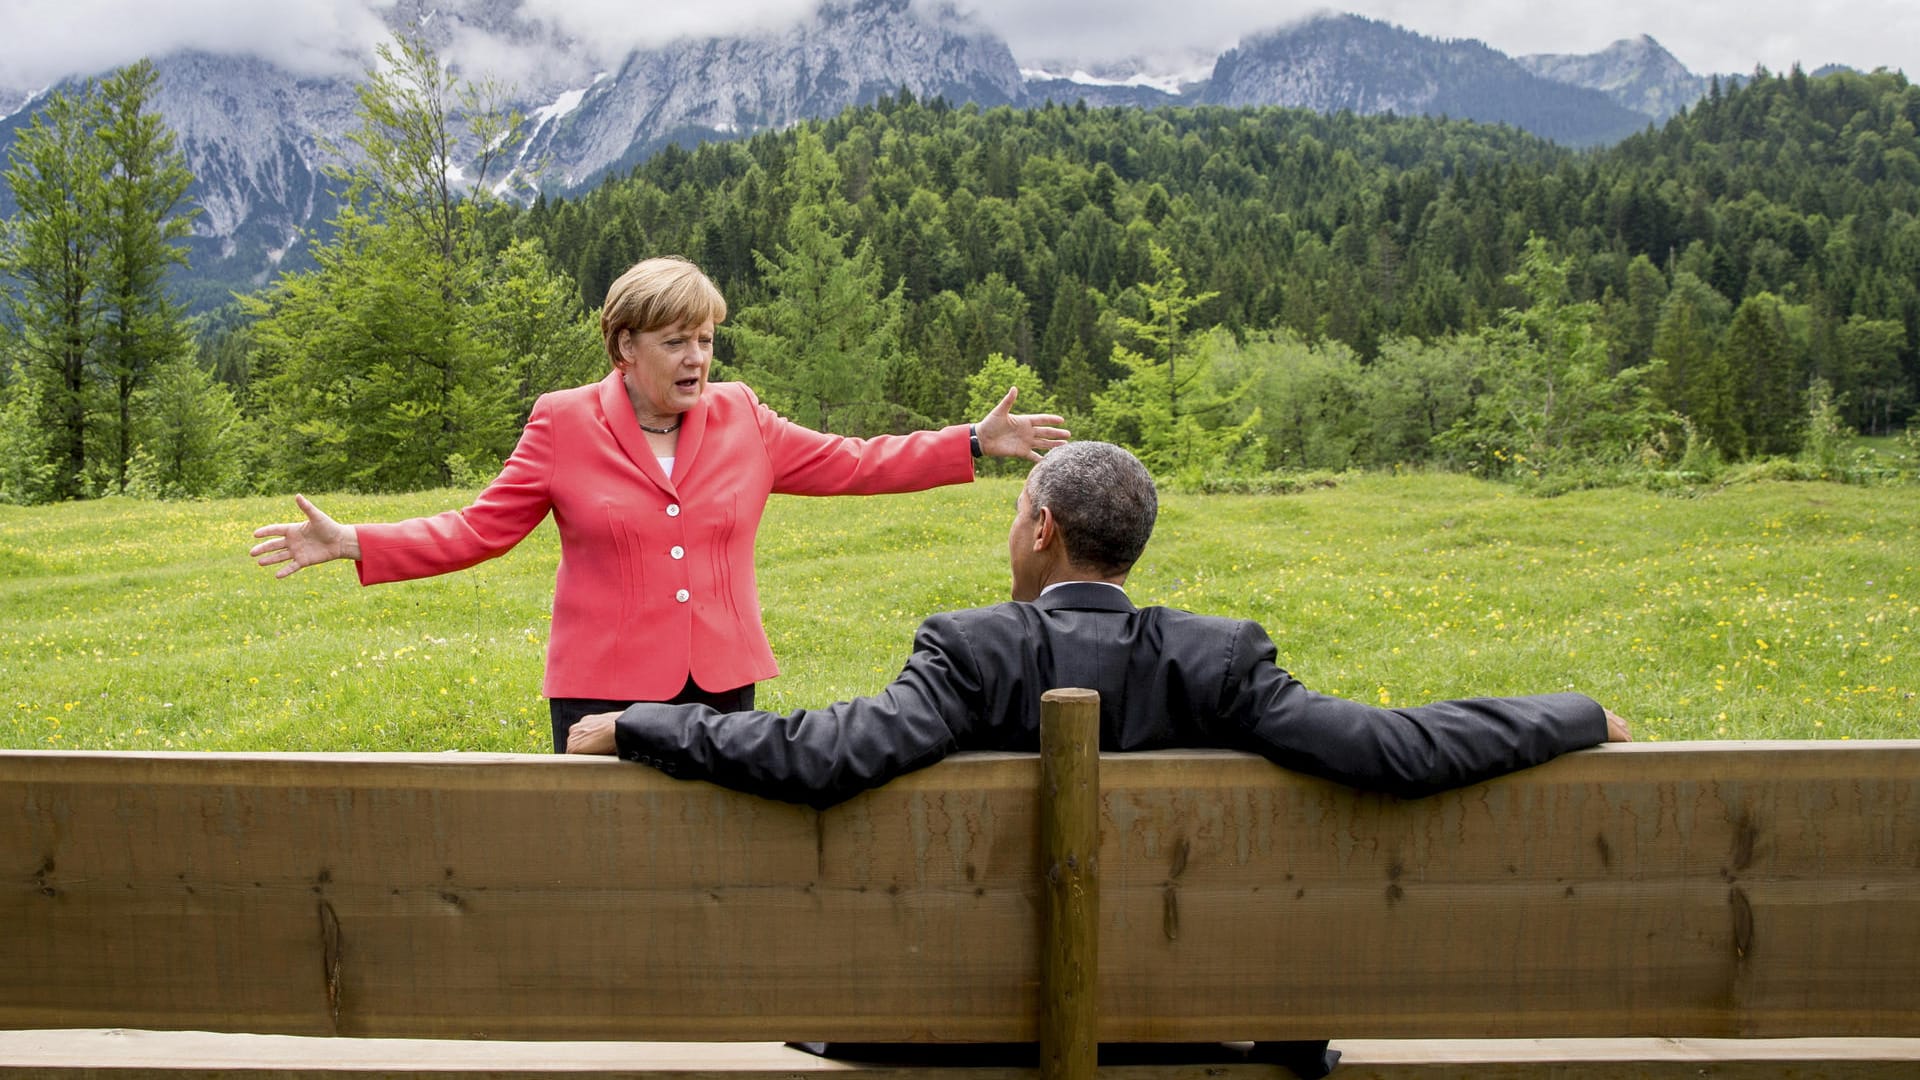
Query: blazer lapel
x=617, y=409
x=693, y=430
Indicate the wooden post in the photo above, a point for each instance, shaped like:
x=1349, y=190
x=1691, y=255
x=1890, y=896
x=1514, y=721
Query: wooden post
x=1070, y=852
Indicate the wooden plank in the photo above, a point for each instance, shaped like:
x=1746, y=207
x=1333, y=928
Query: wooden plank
x=1709, y=889
x=448, y=895
x=1715, y=889
x=150, y=1055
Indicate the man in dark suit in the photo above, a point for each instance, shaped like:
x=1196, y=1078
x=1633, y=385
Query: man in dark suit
x=1166, y=678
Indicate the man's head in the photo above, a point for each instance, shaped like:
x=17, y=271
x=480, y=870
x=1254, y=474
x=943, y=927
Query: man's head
x=1085, y=514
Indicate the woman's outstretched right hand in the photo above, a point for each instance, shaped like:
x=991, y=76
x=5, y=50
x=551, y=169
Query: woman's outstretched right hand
x=300, y=544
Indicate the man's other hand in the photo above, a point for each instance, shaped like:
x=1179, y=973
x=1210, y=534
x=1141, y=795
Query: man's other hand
x=1616, y=728
x=594, y=734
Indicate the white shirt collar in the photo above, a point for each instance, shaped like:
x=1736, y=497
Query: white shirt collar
x=1058, y=584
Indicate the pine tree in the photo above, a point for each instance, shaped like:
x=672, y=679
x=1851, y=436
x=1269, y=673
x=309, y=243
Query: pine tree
x=54, y=255
x=1759, y=353
x=191, y=441
x=1692, y=378
x=1165, y=407
x=1169, y=309
x=1869, y=377
x=529, y=313
x=146, y=187
x=1548, y=399
x=1637, y=317
x=28, y=468
x=820, y=347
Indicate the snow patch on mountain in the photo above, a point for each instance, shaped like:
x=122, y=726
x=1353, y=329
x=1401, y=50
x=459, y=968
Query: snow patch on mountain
x=12, y=101
x=1166, y=84
x=1170, y=72
x=562, y=105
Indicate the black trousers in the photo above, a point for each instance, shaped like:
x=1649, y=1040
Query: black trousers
x=567, y=711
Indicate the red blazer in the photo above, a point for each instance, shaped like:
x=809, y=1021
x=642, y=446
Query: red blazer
x=656, y=576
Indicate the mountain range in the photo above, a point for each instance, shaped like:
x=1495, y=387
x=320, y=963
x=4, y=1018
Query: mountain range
x=257, y=136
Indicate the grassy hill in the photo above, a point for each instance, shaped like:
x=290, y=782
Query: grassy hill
x=1765, y=610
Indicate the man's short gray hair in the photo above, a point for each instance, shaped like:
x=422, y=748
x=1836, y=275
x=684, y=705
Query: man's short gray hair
x=1103, y=499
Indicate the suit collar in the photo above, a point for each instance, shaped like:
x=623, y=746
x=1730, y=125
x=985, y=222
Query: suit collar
x=618, y=411
x=1084, y=596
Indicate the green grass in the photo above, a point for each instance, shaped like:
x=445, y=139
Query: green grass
x=1766, y=610
x=1888, y=451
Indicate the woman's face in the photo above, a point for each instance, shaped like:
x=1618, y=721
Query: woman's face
x=666, y=369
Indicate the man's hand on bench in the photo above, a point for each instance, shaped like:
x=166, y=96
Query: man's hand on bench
x=1616, y=731
x=594, y=734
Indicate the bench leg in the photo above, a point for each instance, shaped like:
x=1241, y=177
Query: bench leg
x=1070, y=850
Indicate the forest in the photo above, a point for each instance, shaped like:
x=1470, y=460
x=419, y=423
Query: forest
x=1240, y=295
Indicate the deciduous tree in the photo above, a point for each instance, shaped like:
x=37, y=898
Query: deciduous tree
x=372, y=369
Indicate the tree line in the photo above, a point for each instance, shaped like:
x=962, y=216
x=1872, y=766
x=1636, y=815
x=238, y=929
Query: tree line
x=1231, y=292
x=96, y=360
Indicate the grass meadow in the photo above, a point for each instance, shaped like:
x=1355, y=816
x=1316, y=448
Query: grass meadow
x=1763, y=610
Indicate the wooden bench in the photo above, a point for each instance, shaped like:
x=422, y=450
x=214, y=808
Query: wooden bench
x=1723, y=909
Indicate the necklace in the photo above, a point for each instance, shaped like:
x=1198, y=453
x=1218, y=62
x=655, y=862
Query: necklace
x=668, y=430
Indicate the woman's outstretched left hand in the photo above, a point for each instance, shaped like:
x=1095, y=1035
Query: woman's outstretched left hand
x=1005, y=433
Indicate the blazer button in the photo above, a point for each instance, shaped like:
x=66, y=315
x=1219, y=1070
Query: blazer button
x=678, y=552
x=673, y=509
x=682, y=596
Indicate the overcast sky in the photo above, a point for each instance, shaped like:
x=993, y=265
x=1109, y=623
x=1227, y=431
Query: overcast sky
x=44, y=39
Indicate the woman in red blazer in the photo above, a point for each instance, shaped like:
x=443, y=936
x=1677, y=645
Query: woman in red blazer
x=657, y=481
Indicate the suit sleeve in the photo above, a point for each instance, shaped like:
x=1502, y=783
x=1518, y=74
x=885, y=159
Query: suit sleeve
x=820, y=757
x=1406, y=752
x=807, y=462
x=503, y=514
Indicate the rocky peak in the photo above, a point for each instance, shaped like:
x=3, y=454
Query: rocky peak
x=1637, y=72
x=850, y=53
x=1346, y=62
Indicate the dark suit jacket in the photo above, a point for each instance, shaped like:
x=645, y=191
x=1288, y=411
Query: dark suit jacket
x=1167, y=678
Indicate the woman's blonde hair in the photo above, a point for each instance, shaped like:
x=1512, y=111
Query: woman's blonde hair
x=667, y=291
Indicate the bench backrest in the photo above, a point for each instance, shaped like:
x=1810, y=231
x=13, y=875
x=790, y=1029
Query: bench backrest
x=1710, y=889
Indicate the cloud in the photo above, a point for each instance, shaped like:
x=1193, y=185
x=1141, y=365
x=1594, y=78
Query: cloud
x=1110, y=29
x=615, y=27
x=1726, y=36
x=1706, y=35
x=48, y=39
